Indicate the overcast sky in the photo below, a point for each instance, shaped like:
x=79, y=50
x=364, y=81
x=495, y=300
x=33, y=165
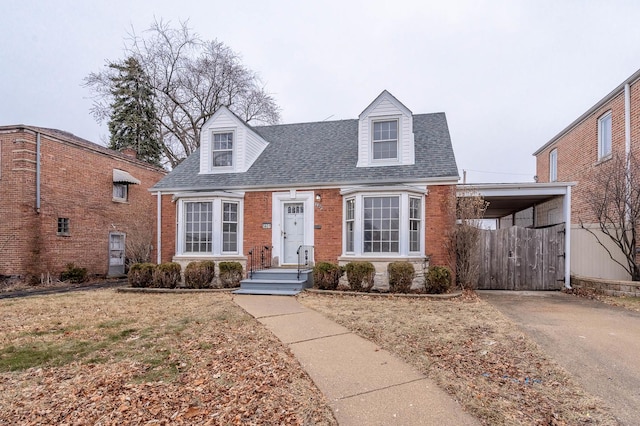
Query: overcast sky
x=508, y=74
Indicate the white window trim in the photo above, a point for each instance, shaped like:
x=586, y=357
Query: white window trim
x=277, y=216
x=217, y=226
x=553, y=165
x=234, y=157
x=404, y=239
x=601, y=123
x=386, y=161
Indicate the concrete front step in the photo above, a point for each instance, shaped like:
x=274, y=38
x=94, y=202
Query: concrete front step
x=267, y=292
x=276, y=281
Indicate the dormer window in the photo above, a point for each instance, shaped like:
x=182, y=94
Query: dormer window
x=223, y=149
x=385, y=140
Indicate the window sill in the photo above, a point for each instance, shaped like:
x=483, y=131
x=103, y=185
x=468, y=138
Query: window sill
x=120, y=200
x=63, y=234
x=603, y=159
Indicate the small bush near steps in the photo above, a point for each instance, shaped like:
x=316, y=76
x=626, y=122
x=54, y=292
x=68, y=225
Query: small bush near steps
x=400, y=276
x=200, y=274
x=326, y=275
x=360, y=275
x=230, y=274
x=437, y=280
x=167, y=275
x=141, y=274
x=74, y=274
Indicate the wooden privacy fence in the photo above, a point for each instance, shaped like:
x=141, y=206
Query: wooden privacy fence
x=519, y=258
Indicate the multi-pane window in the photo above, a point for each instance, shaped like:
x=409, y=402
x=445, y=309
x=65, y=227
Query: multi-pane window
x=604, y=135
x=229, y=227
x=381, y=224
x=63, y=226
x=198, y=227
x=222, y=149
x=553, y=165
x=415, y=214
x=350, y=222
x=120, y=191
x=385, y=140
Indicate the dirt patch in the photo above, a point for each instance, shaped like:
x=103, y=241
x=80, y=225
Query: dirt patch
x=113, y=358
x=472, y=351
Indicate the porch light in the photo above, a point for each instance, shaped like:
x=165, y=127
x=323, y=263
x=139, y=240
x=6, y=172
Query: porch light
x=318, y=198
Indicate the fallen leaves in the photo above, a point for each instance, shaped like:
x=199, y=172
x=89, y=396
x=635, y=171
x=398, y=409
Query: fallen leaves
x=194, y=360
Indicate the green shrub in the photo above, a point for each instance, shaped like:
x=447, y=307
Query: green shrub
x=200, y=274
x=437, y=280
x=74, y=274
x=400, y=277
x=326, y=275
x=141, y=274
x=167, y=275
x=230, y=274
x=360, y=275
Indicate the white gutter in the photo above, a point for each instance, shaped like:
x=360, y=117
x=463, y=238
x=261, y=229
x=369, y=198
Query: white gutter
x=38, y=142
x=159, y=229
x=567, y=237
x=627, y=148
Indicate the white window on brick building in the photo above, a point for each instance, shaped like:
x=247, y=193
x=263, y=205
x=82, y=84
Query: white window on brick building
x=553, y=165
x=604, y=136
x=383, y=224
x=209, y=227
x=120, y=191
x=63, y=226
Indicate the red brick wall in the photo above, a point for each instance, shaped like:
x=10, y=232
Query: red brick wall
x=578, y=151
x=76, y=183
x=168, y=230
x=439, y=220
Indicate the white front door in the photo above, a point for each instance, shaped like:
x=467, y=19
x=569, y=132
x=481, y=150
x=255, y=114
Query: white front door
x=292, y=231
x=116, y=253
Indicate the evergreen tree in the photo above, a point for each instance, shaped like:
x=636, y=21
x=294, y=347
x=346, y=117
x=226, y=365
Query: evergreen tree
x=133, y=118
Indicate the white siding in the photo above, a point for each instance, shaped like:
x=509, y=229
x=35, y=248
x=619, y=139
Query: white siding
x=589, y=259
x=386, y=106
x=247, y=144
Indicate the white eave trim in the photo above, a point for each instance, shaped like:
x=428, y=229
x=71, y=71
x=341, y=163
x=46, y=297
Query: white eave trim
x=422, y=190
x=120, y=176
x=210, y=194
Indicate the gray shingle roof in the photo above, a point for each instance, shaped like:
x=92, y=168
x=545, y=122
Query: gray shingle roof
x=323, y=153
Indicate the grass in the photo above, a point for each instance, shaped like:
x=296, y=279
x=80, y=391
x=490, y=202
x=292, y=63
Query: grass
x=105, y=357
x=473, y=352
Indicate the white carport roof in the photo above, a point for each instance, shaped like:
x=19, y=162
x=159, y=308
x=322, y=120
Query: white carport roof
x=508, y=198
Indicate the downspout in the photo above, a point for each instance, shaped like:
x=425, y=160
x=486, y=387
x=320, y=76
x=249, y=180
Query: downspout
x=38, y=172
x=159, y=229
x=567, y=237
x=627, y=147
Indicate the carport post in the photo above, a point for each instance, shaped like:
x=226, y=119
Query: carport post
x=567, y=237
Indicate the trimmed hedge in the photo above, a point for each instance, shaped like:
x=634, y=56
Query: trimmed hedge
x=167, y=275
x=74, y=274
x=230, y=274
x=360, y=275
x=437, y=280
x=400, y=276
x=200, y=274
x=326, y=275
x=141, y=274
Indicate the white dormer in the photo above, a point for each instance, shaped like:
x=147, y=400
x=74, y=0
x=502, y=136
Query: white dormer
x=385, y=133
x=227, y=144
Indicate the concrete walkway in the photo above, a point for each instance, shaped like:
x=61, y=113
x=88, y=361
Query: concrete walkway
x=364, y=384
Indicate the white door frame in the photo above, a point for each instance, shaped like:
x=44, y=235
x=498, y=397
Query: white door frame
x=277, y=218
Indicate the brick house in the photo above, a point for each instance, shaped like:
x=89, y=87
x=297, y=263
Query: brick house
x=609, y=128
x=68, y=200
x=377, y=188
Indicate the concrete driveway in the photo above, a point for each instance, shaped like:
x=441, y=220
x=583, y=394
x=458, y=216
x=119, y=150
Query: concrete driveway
x=597, y=343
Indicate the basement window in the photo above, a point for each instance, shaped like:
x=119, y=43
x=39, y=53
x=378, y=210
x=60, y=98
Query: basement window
x=63, y=226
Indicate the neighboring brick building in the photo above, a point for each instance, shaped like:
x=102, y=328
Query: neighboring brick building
x=609, y=128
x=75, y=202
x=378, y=188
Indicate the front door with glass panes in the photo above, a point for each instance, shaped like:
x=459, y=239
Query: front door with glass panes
x=116, y=253
x=292, y=232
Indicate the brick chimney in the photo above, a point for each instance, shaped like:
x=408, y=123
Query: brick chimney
x=130, y=152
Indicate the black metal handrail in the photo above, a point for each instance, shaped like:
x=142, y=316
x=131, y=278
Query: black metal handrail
x=305, y=257
x=259, y=258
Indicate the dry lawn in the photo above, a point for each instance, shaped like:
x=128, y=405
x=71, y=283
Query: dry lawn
x=107, y=358
x=472, y=351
